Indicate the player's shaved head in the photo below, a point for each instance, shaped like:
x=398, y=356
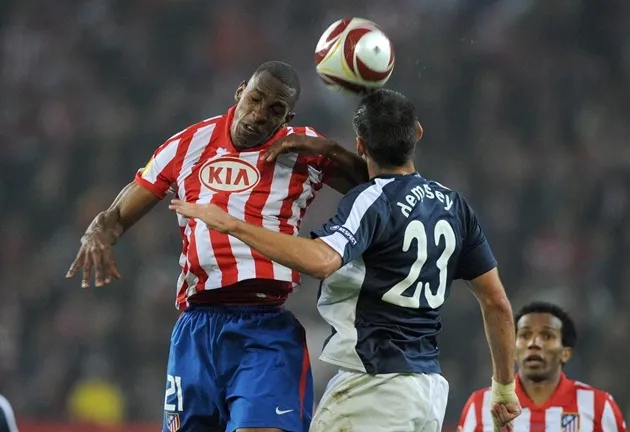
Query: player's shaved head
x=264, y=104
x=284, y=73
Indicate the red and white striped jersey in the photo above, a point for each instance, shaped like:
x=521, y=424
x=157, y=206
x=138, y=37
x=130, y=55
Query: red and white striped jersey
x=573, y=407
x=200, y=164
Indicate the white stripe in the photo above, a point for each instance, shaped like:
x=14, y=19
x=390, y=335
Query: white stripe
x=486, y=417
x=609, y=422
x=245, y=264
x=207, y=260
x=470, y=422
x=362, y=203
x=198, y=143
x=5, y=407
x=307, y=193
x=159, y=161
x=278, y=193
x=300, y=203
x=523, y=422
x=553, y=418
x=586, y=408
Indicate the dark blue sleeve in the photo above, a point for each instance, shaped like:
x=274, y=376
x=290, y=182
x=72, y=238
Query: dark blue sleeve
x=476, y=257
x=361, y=218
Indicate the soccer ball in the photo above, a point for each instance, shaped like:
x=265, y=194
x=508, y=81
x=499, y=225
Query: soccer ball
x=355, y=55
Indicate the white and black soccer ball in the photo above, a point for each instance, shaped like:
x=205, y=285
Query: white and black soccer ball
x=354, y=54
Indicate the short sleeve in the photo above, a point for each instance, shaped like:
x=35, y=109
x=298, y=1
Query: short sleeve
x=157, y=176
x=361, y=219
x=476, y=257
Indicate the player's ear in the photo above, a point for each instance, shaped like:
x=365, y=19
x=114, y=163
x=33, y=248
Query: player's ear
x=288, y=119
x=239, y=91
x=566, y=355
x=420, y=131
x=361, y=148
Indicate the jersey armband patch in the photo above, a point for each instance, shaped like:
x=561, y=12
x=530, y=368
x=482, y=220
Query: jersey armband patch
x=345, y=232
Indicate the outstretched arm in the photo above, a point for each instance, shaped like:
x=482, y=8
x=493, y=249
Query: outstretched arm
x=347, y=170
x=312, y=257
x=96, y=254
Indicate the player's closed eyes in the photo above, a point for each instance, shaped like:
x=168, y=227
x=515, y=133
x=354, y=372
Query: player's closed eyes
x=543, y=335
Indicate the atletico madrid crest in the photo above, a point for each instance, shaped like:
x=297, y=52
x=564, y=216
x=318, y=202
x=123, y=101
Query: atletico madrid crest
x=570, y=422
x=172, y=422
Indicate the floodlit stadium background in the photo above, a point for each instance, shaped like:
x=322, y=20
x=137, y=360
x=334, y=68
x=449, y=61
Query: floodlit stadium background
x=526, y=111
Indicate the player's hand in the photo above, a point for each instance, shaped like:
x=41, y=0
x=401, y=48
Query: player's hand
x=210, y=214
x=95, y=257
x=304, y=144
x=504, y=406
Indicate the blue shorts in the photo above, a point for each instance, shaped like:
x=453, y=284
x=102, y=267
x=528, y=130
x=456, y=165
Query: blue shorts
x=238, y=367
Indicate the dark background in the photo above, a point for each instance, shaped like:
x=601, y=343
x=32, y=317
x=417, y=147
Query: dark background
x=525, y=106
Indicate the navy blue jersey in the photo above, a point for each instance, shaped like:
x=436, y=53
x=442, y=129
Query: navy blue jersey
x=403, y=240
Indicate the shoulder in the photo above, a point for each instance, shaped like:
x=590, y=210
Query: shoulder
x=599, y=395
x=300, y=130
x=209, y=123
x=213, y=122
x=478, y=395
x=5, y=406
x=367, y=195
x=476, y=402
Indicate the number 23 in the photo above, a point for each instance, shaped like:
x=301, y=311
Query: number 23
x=416, y=231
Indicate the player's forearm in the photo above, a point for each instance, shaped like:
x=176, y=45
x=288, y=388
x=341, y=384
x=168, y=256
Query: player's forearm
x=131, y=204
x=304, y=255
x=499, y=326
x=352, y=168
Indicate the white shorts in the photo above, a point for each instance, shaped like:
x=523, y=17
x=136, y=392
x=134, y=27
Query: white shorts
x=359, y=402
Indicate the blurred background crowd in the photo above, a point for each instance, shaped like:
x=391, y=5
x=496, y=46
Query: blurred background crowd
x=526, y=111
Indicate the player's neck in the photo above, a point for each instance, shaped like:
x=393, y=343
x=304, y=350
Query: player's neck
x=375, y=170
x=540, y=391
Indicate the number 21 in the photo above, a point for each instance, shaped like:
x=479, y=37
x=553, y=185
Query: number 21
x=416, y=231
x=174, y=387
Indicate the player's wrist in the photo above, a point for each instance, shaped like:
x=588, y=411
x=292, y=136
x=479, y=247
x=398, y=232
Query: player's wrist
x=503, y=388
x=330, y=149
x=235, y=226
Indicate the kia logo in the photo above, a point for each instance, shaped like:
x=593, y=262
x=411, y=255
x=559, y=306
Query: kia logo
x=229, y=174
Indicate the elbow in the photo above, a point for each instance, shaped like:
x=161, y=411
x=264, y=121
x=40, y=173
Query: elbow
x=325, y=265
x=497, y=304
x=321, y=271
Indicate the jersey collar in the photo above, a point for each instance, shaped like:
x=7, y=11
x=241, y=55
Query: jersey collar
x=564, y=386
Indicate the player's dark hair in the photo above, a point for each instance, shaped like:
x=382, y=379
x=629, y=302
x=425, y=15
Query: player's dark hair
x=386, y=122
x=284, y=73
x=569, y=333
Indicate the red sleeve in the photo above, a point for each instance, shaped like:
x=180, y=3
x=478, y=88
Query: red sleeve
x=158, y=174
x=612, y=419
x=470, y=420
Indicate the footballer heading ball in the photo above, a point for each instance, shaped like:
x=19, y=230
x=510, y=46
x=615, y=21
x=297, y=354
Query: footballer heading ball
x=355, y=55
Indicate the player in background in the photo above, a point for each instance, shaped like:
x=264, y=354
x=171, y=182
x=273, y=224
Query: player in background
x=7, y=418
x=387, y=260
x=545, y=338
x=238, y=359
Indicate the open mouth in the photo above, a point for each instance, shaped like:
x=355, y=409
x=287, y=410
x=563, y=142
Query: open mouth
x=533, y=360
x=249, y=129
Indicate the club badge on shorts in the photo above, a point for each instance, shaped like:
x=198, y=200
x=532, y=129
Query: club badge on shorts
x=172, y=422
x=570, y=422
